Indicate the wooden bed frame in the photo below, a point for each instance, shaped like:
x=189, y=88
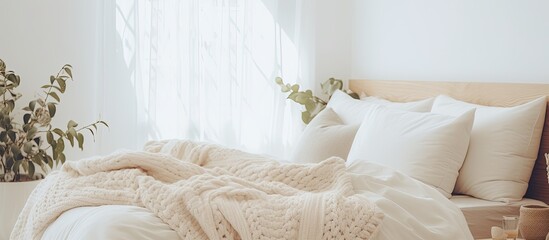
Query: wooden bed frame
x=491, y=94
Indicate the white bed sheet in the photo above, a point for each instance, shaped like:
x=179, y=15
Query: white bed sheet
x=412, y=210
x=481, y=214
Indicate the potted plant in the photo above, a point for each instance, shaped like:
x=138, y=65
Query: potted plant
x=29, y=145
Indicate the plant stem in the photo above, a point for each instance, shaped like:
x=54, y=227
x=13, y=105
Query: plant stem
x=84, y=127
x=51, y=84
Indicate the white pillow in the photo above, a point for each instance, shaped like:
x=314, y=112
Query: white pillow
x=352, y=111
x=324, y=137
x=503, y=150
x=328, y=135
x=426, y=146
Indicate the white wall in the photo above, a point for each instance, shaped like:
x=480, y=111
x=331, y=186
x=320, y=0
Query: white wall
x=452, y=40
x=333, y=45
x=38, y=37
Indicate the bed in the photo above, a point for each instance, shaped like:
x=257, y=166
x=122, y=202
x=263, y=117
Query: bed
x=401, y=206
x=480, y=214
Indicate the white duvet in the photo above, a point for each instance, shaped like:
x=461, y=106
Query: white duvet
x=412, y=210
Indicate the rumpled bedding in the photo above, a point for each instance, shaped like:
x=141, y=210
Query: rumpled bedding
x=411, y=209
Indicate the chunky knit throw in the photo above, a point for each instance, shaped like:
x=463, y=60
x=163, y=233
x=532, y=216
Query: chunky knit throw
x=205, y=191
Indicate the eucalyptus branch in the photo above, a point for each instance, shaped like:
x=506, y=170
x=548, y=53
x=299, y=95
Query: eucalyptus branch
x=313, y=104
x=24, y=151
x=51, y=84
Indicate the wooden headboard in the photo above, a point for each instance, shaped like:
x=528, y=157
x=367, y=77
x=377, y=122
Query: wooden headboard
x=491, y=94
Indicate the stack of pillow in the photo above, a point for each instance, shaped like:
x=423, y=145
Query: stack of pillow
x=454, y=146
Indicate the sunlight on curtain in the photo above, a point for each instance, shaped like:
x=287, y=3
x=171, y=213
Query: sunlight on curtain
x=204, y=70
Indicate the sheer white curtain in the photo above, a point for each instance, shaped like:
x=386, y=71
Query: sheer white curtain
x=204, y=70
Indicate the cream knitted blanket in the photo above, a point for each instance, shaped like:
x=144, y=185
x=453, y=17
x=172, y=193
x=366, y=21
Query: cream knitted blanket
x=205, y=191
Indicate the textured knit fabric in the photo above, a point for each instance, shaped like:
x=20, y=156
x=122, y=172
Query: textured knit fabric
x=205, y=191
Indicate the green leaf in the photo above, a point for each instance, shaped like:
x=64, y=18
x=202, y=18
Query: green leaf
x=11, y=105
x=9, y=162
x=279, y=81
x=52, y=109
x=310, y=106
x=31, y=133
x=70, y=136
x=25, y=165
x=60, y=145
x=12, y=135
x=31, y=169
x=50, y=161
x=62, y=157
x=71, y=124
x=38, y=160
x=55, y=96
x=302, y=98
x=80, y=139
x=59, y=132
x=68, y=70
x=62, y=85
x=92, y=133
x=55, y=153
x=32, y=105
x=306, y=117
x=49, y=137
x=46, y=86
x=27, y=147
x=104, y=123
x=16, y=165
x=295, y=88
x=26, y=118
x=52, y=79
x=292, y=96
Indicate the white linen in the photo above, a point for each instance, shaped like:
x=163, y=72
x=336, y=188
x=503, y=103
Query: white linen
x=412, y=210
x=503, y=149
x=205, y=191
x=109, y=222
x=325, y=136
x=352, y=111
x=426, y=146
x=332, y=131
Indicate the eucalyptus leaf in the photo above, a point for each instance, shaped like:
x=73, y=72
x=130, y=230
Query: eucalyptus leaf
x=59, y=132
x=26, y=118
x=80, y=139
x=71, y=124
x=31, y=169
x=32, y=105
x=16, y=165
x=60, y=145
x=62, y=85
x=31, y=133
x=306, y=117
x=104, y=123
x=52, y=109
x=49, y=137
x=55, y=96
x=68, y=70
x=62, y=157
